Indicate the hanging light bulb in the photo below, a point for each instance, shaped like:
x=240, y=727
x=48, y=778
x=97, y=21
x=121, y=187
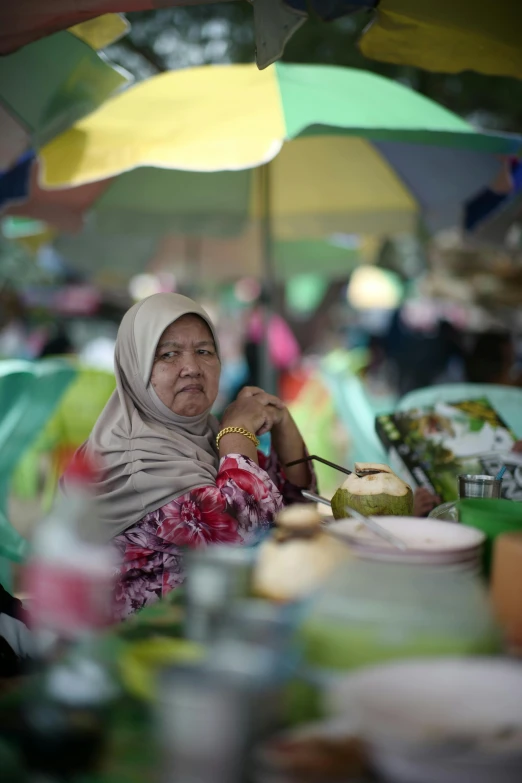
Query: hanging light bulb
x=141, y=286
x=373, y=288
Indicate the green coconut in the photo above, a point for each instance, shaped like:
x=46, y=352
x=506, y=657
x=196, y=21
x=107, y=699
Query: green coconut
x=373, y=494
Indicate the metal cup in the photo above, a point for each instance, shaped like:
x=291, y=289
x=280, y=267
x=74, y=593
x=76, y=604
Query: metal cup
x=479, y=486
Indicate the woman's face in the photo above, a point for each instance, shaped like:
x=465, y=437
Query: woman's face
x=186, y=369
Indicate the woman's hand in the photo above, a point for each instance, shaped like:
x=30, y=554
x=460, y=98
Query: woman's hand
x=276, y=407
x=424, y=502
x=255, y=410
x=286, y=438
x=260, y=412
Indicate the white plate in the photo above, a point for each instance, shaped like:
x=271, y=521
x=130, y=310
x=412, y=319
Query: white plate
x=427, y=540
x=417, y=558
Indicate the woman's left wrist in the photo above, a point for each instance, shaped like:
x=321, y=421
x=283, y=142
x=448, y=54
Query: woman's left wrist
x=283, y=423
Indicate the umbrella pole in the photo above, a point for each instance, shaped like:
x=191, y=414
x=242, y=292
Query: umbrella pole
x=267, y=371
x=193, y=257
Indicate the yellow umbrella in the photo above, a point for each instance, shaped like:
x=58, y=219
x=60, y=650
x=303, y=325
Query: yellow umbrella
x=448, y=36
x=293, y=152
x=102, y=30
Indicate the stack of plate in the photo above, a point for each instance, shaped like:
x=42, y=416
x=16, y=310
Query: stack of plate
x=443, y=720
x=429, y=542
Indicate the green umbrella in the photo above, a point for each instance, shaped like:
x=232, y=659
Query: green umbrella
x=47, y=86
x=345, y=151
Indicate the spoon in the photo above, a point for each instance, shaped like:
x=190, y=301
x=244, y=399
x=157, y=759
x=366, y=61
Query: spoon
x=377, y=529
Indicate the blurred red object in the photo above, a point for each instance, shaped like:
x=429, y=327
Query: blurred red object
x=291, y=383
x=80, y=468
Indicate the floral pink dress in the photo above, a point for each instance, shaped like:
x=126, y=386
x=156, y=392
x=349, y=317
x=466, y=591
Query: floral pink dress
x=237, y=510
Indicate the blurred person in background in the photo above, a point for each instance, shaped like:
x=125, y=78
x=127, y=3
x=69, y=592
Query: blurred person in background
x=58, y=344
x=15, y=340
x=284, y=350
x=492, y=359
x=170, y=474
x=17, y=643
x=422, y=356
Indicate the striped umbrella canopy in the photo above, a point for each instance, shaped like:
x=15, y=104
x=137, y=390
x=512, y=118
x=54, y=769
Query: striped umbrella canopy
x=313, y=150
x=276, y=21
x=111, y=260
x=447, y=36
x=49, y=85
x=25, y=21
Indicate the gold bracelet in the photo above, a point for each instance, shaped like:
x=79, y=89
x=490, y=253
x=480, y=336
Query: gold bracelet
x=237, y=431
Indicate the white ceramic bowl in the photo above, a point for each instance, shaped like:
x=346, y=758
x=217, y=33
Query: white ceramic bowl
x=444, y=720
x=428, y=541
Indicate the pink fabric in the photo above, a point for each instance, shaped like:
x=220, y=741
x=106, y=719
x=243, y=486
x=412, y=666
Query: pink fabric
x=237, y=510
x=284, y=348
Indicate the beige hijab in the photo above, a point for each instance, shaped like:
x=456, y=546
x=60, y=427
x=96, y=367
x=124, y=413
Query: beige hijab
x=149, y=454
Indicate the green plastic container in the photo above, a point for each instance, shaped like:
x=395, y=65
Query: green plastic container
x=493, y=518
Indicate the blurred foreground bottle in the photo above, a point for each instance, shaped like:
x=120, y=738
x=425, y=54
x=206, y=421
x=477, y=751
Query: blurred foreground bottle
x=70, y=588
x=69, y=579
x=211, y=715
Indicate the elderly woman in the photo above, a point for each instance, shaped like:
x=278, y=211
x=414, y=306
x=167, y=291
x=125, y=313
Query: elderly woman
x=172, y=475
